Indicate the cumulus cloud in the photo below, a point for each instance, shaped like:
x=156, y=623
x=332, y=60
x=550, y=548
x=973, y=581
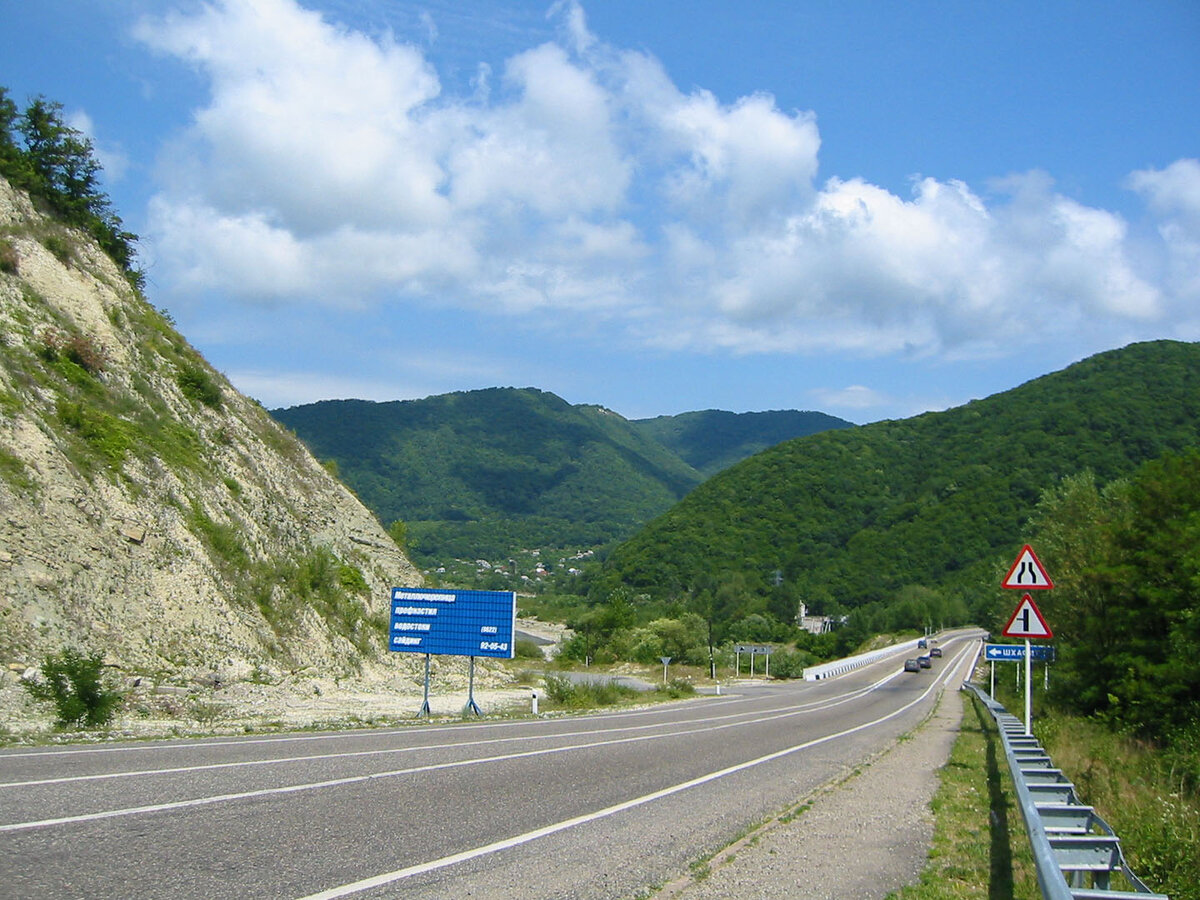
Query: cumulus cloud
x=112, y=159
x=1173, y=194
x=330, y=165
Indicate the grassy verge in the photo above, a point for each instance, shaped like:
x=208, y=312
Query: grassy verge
x=562, y=693
x=979, y=849
x=1148, y=795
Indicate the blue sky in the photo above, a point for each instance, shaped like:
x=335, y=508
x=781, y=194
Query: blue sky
x=871, y=209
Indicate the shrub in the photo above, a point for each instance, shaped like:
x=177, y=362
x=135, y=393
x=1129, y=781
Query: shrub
x=586, y=694
x=107, y=435
x=790, y=663
x=74, y=683
x=524, y=648
x=14, y=471
x=398, y=531
x=79, y=349
x=352, y=579
x=9, y=260
x=58, y=246
x=198, y=385
x=676, y=689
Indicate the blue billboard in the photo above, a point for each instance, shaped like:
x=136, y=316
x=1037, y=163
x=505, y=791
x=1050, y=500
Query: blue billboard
x=453, y=622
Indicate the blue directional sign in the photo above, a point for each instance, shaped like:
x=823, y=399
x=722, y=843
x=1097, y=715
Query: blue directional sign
x=453, y=622
x=1016, y=652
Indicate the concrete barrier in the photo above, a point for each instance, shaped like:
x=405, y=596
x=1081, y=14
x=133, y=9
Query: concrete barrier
x=850, y=663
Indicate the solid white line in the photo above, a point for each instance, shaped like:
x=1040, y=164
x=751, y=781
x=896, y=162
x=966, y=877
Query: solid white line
x=445, y=861
x=815, y=705
x=159, y=745
x=337, y=782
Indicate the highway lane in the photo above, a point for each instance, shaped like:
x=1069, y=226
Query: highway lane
x=588, y=807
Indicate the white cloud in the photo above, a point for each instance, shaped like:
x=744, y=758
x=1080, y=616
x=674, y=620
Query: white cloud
x=550, y=152
x=276, y=390
x=1173, y=195
x=1173, y=191
x=329, y=165
x=855, y=396
x=112, y=159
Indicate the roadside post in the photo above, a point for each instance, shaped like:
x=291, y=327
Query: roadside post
x=665, y=661
x=1028, y=574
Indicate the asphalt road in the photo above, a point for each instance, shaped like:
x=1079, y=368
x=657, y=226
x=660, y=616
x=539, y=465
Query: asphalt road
x=600, y=806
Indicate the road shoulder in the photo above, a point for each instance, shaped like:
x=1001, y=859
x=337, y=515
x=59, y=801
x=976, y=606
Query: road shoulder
x=861, y=837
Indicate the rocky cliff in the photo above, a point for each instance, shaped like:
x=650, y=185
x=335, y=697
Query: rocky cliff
x=147, y=509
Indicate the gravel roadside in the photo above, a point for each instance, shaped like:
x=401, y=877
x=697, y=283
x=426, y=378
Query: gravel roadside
x=861, y=838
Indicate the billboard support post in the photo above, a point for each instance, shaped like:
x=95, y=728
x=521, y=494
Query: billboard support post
x=471, y=706
x=425, y=706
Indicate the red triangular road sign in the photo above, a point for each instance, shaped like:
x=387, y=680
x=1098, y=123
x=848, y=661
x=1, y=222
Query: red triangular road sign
x=1027, y=573
x=1027, y=621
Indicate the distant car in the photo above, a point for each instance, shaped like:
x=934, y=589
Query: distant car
x=911, y=665
x=924, y=662
x=922, y=643
x=936, y=651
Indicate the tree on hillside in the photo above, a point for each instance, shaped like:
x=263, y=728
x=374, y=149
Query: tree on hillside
x=11, y=159
x=1126, y=562
x=56, y=163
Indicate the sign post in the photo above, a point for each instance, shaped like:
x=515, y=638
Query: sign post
x=753, y=649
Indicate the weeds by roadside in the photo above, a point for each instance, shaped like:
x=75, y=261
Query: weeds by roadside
x=1148, y=795
x=980, y=849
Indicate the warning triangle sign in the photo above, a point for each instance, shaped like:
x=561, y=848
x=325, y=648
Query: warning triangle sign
x=1027, y=573
x=1027, y=621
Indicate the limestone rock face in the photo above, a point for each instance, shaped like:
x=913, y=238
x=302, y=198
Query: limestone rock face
x=147, y=509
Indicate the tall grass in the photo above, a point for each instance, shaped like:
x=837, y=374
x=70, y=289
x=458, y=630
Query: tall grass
x=1145, y=786
x=567, y=694
x=1146, y=793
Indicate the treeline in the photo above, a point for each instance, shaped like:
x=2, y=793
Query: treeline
x=56, y=164
x=1125, y=609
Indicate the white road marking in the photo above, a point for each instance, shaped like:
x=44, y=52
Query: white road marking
x=813, y=706
x=375, y=881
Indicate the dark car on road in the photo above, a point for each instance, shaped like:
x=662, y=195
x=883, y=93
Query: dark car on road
x=924, y=662
x=936, y=651
x=911, y=665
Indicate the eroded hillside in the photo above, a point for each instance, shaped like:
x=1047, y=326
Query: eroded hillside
x=147, y=509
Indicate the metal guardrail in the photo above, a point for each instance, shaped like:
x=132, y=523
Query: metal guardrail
x=1075, y=851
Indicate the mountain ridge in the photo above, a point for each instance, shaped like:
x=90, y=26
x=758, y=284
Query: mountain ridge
x=466, y=468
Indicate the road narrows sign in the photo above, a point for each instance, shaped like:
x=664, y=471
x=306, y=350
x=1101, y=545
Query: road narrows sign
x=1027, y=573
x=1027, y=621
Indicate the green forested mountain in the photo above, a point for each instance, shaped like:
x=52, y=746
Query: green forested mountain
x=484, y=473
x=928, y=507
x=713, y=439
